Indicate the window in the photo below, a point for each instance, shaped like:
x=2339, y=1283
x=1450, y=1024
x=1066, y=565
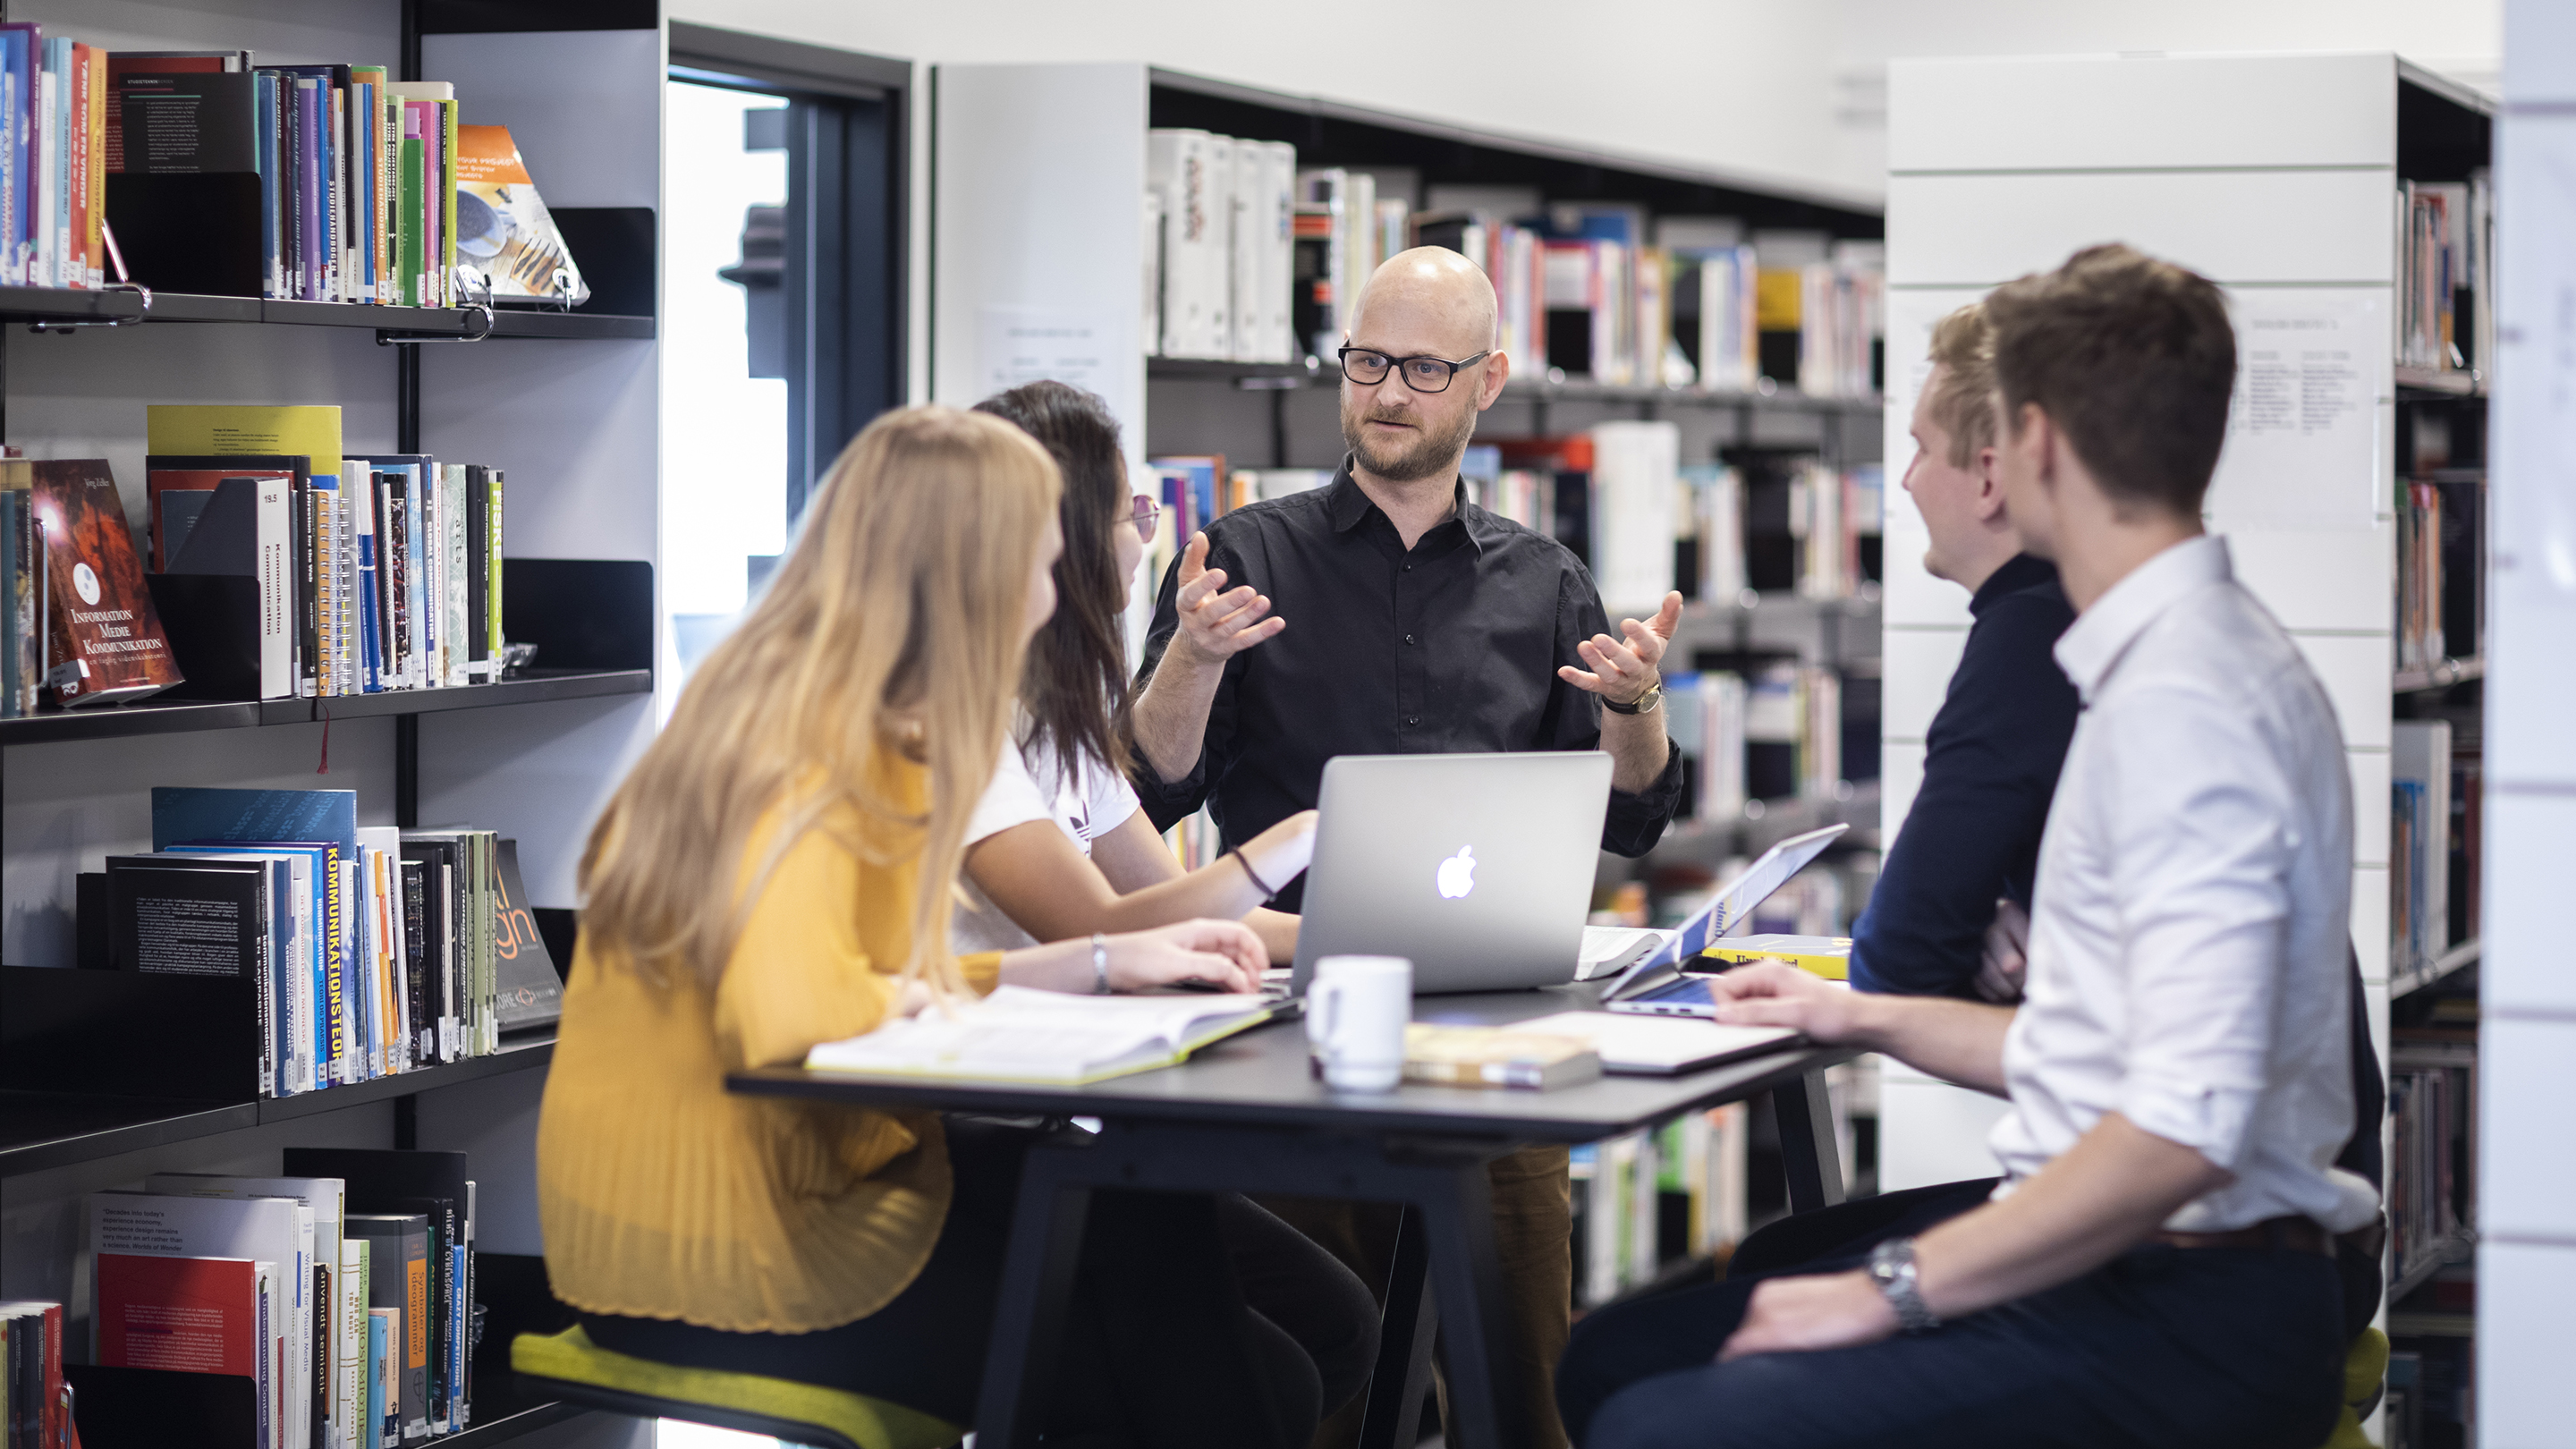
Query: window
x=783, y=299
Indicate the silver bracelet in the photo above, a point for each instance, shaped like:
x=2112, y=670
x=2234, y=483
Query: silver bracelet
x=1099, y=964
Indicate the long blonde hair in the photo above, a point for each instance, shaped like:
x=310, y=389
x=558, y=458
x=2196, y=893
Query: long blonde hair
x=892, y=628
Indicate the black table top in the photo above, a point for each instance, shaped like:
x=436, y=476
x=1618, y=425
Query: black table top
x=1260, y=1078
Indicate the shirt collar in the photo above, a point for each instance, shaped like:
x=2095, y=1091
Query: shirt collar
x=1346, y=503
x=2091, y=647
x=2017, y=573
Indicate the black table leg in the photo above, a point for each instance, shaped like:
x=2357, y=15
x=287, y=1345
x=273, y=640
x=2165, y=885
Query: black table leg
x=1037, y=1289
x=1408, y=1326
x=1458, y=1217
x=1807, y=1147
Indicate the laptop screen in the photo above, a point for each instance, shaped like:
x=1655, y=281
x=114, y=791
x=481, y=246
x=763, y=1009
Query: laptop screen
x=1728, y=908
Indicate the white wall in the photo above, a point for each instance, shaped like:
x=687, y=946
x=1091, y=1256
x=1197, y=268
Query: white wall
x=2527, y=1044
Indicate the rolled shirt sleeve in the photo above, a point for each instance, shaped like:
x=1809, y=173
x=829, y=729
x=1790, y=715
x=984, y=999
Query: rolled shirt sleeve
x=2201, y=860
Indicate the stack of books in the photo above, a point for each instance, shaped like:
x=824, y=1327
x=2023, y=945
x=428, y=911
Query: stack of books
x=33, y=1413
x=1648, y=1199
x=1219, y=249
x=371, y=951
x=379, y=572
x=2445, y=297
x=343, y=1291
x=53, y=144
x=314, y=183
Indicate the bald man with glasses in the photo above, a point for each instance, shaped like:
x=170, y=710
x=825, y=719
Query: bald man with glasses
x=1385, y=614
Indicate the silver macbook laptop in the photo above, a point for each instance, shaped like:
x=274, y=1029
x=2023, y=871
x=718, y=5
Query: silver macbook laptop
x=1655, y=985
x=1477, y=868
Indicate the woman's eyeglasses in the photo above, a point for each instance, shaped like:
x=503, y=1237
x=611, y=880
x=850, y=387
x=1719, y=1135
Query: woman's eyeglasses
x=1147, y=515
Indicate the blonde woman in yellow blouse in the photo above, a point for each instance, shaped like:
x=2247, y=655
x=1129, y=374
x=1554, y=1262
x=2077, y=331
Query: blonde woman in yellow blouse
x=778, y=871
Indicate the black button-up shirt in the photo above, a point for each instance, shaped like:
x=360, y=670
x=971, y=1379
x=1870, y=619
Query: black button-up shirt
x=1450, y=647
x=1989, y=770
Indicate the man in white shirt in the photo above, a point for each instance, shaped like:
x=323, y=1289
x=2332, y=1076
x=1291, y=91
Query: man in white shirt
x=2156, y=1267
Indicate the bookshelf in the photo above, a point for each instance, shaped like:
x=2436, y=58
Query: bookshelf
x=567, y=403
x=2275, y=176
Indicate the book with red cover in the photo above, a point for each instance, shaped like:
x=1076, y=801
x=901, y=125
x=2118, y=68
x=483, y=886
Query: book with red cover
x=189, y=1315
x=104, y=641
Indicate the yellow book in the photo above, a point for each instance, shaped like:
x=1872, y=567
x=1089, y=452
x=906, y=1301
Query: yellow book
x=1496, y=1056
x=306, y=432
x=1826, y=956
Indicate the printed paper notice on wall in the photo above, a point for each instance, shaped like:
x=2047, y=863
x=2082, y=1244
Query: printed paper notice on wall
x=1025, y=344
x=2307, y=428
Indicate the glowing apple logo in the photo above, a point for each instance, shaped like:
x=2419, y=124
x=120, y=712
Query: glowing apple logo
x=1458, y=874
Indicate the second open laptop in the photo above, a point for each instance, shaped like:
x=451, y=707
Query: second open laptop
x=1477, y=868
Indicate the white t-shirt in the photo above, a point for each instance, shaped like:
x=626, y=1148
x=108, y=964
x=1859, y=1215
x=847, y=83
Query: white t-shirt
x=1086, y=803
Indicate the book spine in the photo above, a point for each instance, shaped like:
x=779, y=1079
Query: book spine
x=408, y=209
x=447, y=202
x=335, y=150
x=349, y=1345
x=367, y=503
x=317, y=1363
x=76, y=170
x=415, y=962
x=459, y=1351
x=383, y=1399
x=306, y=601
x=493, y=573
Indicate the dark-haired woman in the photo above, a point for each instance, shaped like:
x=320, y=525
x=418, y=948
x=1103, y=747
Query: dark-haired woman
x=1058, y=847
x=1057, y=799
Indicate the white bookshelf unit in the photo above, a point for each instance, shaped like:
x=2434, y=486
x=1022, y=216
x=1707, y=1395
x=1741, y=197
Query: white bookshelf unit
x=567, y=405
x=2277, y=176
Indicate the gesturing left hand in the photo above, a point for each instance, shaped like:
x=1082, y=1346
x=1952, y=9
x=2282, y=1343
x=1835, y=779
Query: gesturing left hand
x=1801, y=1315
x=1622, y=672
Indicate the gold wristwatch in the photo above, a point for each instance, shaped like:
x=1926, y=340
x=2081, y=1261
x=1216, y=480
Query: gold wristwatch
x=1645, y=704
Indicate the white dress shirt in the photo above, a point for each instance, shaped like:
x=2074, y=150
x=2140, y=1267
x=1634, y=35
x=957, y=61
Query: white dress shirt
x=2187, y=953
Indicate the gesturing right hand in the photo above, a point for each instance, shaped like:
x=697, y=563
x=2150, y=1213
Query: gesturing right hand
x=1216, y=626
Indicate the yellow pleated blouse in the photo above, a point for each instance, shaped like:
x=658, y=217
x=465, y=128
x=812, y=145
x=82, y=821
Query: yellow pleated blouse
x=663, y=1196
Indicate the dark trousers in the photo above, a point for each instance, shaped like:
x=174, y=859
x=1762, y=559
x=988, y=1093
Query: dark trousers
x=2163, y=1346
x=1161, y=1348
x=1533, y=1227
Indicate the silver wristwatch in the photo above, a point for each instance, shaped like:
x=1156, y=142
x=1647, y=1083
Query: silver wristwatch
x=1891, y=1267
x=1099, y=964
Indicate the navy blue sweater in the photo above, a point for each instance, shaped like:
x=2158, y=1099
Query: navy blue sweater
x=1989, y=768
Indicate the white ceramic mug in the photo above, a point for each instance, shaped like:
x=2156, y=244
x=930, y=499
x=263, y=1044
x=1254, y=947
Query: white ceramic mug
x=1356, y=1010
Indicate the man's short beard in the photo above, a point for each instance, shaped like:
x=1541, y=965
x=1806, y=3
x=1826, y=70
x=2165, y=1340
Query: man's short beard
x=1430, y=455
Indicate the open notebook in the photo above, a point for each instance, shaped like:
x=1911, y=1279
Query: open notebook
x=1020, y=1035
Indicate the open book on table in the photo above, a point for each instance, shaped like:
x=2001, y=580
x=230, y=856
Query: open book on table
x=1021, y=1035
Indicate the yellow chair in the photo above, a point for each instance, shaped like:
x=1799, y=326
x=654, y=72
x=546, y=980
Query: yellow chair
x=2364, y=1366
x=572, y=1368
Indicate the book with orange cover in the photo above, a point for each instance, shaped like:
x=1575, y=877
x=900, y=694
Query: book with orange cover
x=103, y=639
x=503, y=229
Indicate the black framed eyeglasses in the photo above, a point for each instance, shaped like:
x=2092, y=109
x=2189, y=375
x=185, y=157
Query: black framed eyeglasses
x=1422, y=374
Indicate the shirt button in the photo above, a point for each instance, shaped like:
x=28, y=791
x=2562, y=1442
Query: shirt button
x=1408, y=568
x=1408, y=638
x=1413, y=720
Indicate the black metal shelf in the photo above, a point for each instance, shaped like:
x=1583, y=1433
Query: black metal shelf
x=515, y=1424
x=1264, y=376
x=43, y=1130
x=148, y=717
x=57, y=305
